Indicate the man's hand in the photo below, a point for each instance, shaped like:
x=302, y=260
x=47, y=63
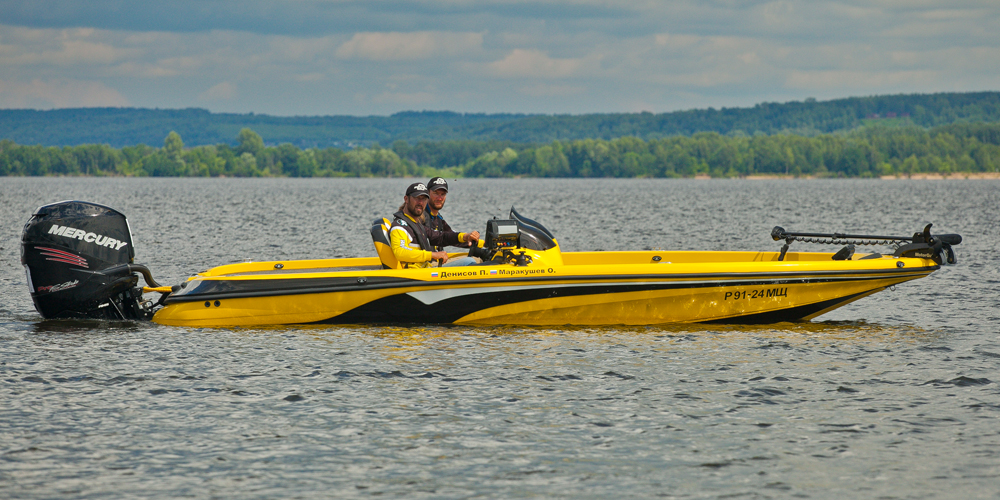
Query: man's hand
x=442, y=256
x=472, y=237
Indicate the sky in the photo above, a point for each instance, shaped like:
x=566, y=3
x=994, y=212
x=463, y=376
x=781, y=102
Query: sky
x=378, y=57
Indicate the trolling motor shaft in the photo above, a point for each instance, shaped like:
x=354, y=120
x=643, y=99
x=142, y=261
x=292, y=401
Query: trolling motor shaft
x=922, y=244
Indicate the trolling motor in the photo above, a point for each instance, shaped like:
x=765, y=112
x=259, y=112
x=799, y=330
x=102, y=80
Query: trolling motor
x=921, y=245
x=79, y=262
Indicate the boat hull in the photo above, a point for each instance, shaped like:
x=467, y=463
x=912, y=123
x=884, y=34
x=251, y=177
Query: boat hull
x=587, y=288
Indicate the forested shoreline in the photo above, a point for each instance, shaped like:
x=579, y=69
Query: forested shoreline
x=121, y=127
x=867, y=152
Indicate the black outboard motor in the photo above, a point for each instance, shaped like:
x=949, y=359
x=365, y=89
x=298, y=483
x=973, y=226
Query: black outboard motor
x=78, y=257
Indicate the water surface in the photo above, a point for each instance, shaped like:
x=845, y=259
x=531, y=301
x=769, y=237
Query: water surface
x=894, y=396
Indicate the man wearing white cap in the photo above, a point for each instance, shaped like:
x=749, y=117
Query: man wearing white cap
x=437, y=188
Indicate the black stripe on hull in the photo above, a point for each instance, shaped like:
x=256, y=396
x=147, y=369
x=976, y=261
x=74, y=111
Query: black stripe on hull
x=241, y=289
x=219, y=289
x=404, y=308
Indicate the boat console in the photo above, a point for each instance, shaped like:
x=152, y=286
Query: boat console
x=504, y=237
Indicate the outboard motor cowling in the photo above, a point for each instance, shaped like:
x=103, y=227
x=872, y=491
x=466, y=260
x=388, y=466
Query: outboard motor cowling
x=78, y=258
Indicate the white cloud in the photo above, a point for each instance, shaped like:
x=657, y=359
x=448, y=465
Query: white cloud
x=676, y=41
x=407, y=99
x=949, y=61
x=69, y=47
x=47, y=94
x=309, y=77
x=408, y=46
x=530, y=63
x=223, y=91
x=546, y=90
x=956, y=26
x=682, y=61
x=853, y=81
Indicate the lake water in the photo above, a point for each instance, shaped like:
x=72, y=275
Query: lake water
x=894, y=396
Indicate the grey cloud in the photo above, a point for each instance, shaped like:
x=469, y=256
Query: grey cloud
x=257, y=16
x=799, y=20
x=565, y=56
x=290, y=17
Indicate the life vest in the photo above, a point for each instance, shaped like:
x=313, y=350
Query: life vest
x=414, y=229
x=416, y=232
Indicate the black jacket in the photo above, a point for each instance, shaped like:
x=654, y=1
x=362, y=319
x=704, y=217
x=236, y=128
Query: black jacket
x=439, y=224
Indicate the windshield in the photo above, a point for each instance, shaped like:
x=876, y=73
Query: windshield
x=534, y=236
x=528, y=222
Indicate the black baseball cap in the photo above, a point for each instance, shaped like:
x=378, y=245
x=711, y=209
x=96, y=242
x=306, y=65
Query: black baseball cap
x=437, y=183
x=417, y=189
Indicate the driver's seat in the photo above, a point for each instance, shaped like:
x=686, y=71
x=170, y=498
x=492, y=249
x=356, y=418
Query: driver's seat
x=380, y=237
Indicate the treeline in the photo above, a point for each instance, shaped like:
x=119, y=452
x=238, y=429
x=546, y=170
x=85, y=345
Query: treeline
x=807, y=118
x=121, y=127
x=869, y=152
x=249, y=158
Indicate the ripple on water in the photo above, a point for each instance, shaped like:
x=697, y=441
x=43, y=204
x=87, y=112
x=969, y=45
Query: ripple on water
x=892, y=396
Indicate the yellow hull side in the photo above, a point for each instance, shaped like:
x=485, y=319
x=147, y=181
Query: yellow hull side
x=573, y=288
x=671, y=306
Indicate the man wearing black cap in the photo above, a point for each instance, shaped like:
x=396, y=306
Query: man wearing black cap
x=411, y=242
x=437, y=188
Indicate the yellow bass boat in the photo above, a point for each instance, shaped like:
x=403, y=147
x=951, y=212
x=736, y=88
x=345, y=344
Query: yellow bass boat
x=525, y=279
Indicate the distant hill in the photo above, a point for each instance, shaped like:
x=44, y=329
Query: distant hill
x=121, y=127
